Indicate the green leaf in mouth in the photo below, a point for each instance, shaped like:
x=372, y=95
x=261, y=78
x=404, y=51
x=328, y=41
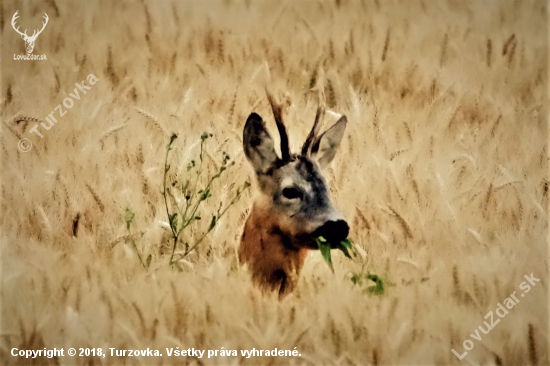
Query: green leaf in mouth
x=324, y=248
x=346, y=246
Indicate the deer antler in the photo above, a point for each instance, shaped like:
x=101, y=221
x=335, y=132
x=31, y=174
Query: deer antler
x=35, y=34
x=312, y=137
x=277, y=114
x=13, y=19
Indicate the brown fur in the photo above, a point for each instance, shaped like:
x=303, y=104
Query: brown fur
x=273, y=260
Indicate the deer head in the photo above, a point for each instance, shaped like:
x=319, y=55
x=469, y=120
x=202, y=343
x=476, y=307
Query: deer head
x=29, y=40
x=294, y=206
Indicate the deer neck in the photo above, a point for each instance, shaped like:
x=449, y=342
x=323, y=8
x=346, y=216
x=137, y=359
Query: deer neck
x=271, y=255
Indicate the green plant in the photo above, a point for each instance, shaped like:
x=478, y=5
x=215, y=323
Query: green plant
x=183, y=200
x=373, y=283
x=346, y=246
x=129, y=218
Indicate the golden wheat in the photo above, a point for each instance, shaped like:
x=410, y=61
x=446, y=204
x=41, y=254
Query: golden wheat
x=442, y=176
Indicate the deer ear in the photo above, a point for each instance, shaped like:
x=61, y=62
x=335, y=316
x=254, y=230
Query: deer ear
x=324, y=149
x=258, y=144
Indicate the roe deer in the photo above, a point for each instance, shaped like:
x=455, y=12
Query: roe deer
x=294, y=207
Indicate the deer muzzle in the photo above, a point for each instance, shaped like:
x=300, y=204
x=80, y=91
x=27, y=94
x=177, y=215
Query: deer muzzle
x=334, y=231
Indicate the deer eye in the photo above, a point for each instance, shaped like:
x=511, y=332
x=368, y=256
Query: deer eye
x=292, y=193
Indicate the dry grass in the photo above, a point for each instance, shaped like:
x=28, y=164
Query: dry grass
x=442, y=176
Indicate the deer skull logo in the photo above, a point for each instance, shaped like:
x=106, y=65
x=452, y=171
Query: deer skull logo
x=29, y=40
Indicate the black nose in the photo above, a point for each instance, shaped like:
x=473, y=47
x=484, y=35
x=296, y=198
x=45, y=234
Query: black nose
x=333, y=231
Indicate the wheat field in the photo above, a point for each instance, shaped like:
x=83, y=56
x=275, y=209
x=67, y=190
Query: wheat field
x=442, y=176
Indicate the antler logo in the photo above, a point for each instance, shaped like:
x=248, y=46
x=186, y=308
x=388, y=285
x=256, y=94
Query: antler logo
x=29, y=40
